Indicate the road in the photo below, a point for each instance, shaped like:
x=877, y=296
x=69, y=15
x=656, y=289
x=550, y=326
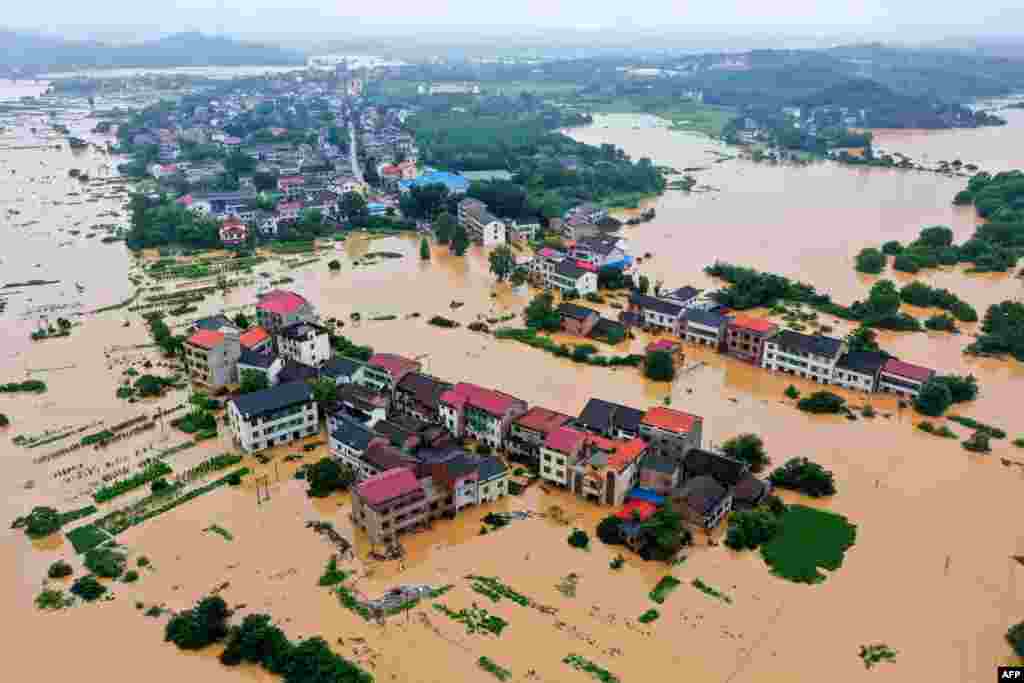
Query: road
x=352, y=153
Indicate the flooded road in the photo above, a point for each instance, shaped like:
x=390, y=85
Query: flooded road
x=936, y=525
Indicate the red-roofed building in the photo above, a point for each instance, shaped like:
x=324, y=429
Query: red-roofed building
x=671, y=433
x=256, y=339
x=483, y=414
x=902, y=378
x=745, y=337
x=211, y=357
x=527, y=433
x=279, y=308
x=389, y=503
x=384, y=371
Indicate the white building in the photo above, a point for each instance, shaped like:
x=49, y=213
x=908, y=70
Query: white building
x=306, y=343
x=274, y=416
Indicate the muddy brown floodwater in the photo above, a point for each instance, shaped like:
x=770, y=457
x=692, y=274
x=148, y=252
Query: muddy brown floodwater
x=931, y=574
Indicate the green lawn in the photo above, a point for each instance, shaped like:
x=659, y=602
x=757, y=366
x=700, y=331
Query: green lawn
x=809, y=539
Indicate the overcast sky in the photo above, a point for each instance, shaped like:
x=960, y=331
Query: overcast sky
x=896, y=19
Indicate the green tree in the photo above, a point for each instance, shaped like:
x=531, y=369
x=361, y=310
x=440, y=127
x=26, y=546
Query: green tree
x=870, y=260
x=242, y=320
x=933, y=398
x=444, y=227
x=424, y=250
x=252, y=380
x=502, y=262
x=800, y=474
x=748, y=448
x=659, y=366
x=644, y=284
x=541, y=314
x=460, y=240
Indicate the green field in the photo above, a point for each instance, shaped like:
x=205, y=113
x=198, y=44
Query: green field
x=809, y=539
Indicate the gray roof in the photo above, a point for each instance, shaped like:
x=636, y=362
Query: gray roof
x=816, y=344
x=352, y=434
x=274, y=398
x=491, y=467
x=255, y=359
x=341, y=366
x=864, y=362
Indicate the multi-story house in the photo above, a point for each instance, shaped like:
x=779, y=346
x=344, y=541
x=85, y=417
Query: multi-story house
x=305, y=342
x=572, y=276
x=278, y=308
x=273, y=416
x=655, y=313
x=560, y=450
x=610, y=419
x=702, y=327
x=859, y=370
x=607, y=469
x=211, y=357
x=527, y=433
x=384, y=371
x=903, y=379
x=812, y=357
x=349, y=441
x=482, y=414
x=671, y=433
x=745, y=337
x=419, y=396
x=388, y=504
x=481, y=224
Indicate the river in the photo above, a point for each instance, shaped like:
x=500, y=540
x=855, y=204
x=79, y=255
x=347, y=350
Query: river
x=931, y=574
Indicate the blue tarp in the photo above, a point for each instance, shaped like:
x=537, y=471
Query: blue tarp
x=647, y=495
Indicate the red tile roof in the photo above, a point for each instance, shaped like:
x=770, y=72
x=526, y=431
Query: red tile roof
x=542, y=420
x=207, y=339
x=643, y=508
x=917, y=373
x=388, y=485
x=489, y=400
x=670, y=420
x=394, y=364
x=253, y=337
x=753, y=324
x=564, y=439
x=281, y=302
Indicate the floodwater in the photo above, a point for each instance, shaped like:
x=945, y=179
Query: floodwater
x=936, y=525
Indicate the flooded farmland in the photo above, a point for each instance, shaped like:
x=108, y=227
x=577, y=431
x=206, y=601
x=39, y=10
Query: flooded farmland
x=931, y=575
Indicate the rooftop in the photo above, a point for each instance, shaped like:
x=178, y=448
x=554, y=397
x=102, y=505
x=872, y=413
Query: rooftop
x=388, y=485
x=274, y=398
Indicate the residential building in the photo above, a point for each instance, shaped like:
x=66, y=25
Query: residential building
x=349, y=441
x=702, y=327
x=384, y=371
x=481, y=225
x=572, y=276
x=273, y=416
x=389, y=503
x=561, y=448
x=657, y=314
x=610, y=419
x=859, y=370
x=745, y=337
x=527, y=433
x=659, y=473
x=903, y=379
x=809, y=356
x=606, y=469
x=419, y=395
x=343, y=370
x=305, y=342
x=671, y=433
x=211, y=357
x=492, y=479
x=278, y=308
x=577, y=320
x=482, y=414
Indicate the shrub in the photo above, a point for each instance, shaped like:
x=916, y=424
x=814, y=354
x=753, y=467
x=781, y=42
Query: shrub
x=792, y=392
x=822, y=402
x=748, y=529
x=203, y=625
x=105, y=562
x=88, y=588
x=579, y=539
x=59, y=569
x=800, y=474
x=608, y=530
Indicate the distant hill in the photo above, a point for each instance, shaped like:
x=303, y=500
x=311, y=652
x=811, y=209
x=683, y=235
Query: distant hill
x=41, y=53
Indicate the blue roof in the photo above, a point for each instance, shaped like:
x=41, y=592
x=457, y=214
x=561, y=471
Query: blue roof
x=449, y=180
x=647, y=495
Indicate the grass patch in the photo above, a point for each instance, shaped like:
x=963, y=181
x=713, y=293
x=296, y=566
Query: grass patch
x=649, y=616
x=488, y=665
x=876, y=654
x=475, y=619
x=710, y=590
x=332, y=575
x=994, y=432
x=221, y=531
x=583, y=664
x=664, y=587
x=85, y=538
x=809, y=539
